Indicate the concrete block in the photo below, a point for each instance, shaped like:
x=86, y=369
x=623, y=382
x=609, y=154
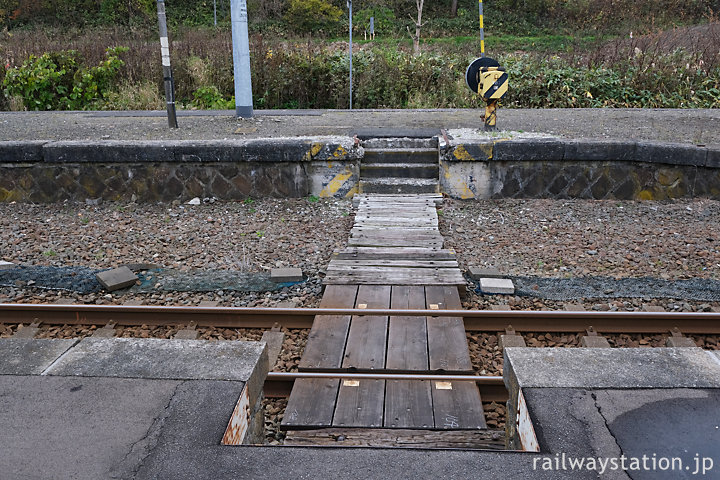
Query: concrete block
x=573, y=307
x=6, y=265
x=671, y=154
x=497, y=285
x=29, y=356
x=511, y=341
x=105, y=332
x=529, y=150
x=116, y=278
x=154, y=358
x=594, y=341
x=186, y=334
x=27, y=151
x=26, y=331
x=274, y=340
x=680, y=342
x=652, y=308
x=282, y=275
x=713, y=157
x=208, y=304
x=503, y=307
x=600, y=150
x=477, y=272
x=610, y=368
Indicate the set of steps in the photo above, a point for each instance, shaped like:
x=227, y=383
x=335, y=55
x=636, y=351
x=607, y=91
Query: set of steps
x=400, y=165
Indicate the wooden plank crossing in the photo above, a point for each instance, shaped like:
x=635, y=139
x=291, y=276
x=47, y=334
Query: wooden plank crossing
x=403, y=232
x=394, y=260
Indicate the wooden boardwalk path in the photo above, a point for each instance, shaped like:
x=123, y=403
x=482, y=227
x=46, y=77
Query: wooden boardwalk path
x=394, y=260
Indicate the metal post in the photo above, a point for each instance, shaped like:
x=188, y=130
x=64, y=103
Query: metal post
x=241, y=59
x=167, y=71
x=482, y=30
x=349, y=4
x=215, y=12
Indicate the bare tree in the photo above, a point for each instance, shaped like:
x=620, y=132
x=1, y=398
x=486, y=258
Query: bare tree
x=453, y=8
x=418, y=25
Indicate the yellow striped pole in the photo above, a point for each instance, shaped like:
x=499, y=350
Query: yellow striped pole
x=482, y=30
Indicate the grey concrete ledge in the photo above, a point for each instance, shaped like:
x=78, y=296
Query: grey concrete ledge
x=302, y=149
x=610, y=368
x=161, y=359
x=544, y=149
x=25, y=356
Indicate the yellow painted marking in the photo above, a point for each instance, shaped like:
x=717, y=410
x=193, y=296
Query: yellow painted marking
x=315, y=149
x=340, y=152
x=353, y=191
x=462, y=154
x=457, y=185
x=336, y=183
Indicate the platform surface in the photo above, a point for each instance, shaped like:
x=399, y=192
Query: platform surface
x=631, y=407
x=99, y=408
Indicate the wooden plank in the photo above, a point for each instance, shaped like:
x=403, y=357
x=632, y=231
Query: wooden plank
x=360, y=403
x=457, y=405
x=393, y=242
x=447, y=343
x=407, y=336
x=396, y=276
x=326, y=341
x=365, y=348
x=395, y=263
x=408, y=404
x=311, y=403
x=397, y=438
x=395, y=253
x=424, y=233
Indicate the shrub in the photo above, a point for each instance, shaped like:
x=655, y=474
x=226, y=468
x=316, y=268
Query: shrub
x=312, y=15
x=59, y=81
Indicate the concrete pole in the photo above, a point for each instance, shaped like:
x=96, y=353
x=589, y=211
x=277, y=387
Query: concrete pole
x=167, y=71
x=241, y=59
x=349, y=4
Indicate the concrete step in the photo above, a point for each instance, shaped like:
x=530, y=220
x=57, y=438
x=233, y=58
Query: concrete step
x=404, y=170
x=400, y=155
x=398, y=185
x=394, y=143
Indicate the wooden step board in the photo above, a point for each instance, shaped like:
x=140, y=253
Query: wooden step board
x=397, y=438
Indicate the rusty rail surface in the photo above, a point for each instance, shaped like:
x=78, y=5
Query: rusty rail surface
x=251, y=317
x=255, y=317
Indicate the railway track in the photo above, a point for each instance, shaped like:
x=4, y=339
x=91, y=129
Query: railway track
x=279, y=384
x=706, y=323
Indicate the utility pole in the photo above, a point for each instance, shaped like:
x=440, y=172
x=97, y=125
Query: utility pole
x=167, y=71
x=241, y=59
x=349, y=5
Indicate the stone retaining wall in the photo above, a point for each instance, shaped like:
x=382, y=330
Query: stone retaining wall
x=470, y=168
x=593, y=169
x=42, y=172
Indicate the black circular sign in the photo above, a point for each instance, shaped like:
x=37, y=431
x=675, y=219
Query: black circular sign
x=471, y=74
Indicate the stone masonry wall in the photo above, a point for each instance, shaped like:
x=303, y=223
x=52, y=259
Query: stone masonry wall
x=592, y=169
x=42, y=172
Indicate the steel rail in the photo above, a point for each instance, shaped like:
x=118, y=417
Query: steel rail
x=279, y=384
x=261, y=317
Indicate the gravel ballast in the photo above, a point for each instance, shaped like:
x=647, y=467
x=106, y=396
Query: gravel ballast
x=669, y=241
